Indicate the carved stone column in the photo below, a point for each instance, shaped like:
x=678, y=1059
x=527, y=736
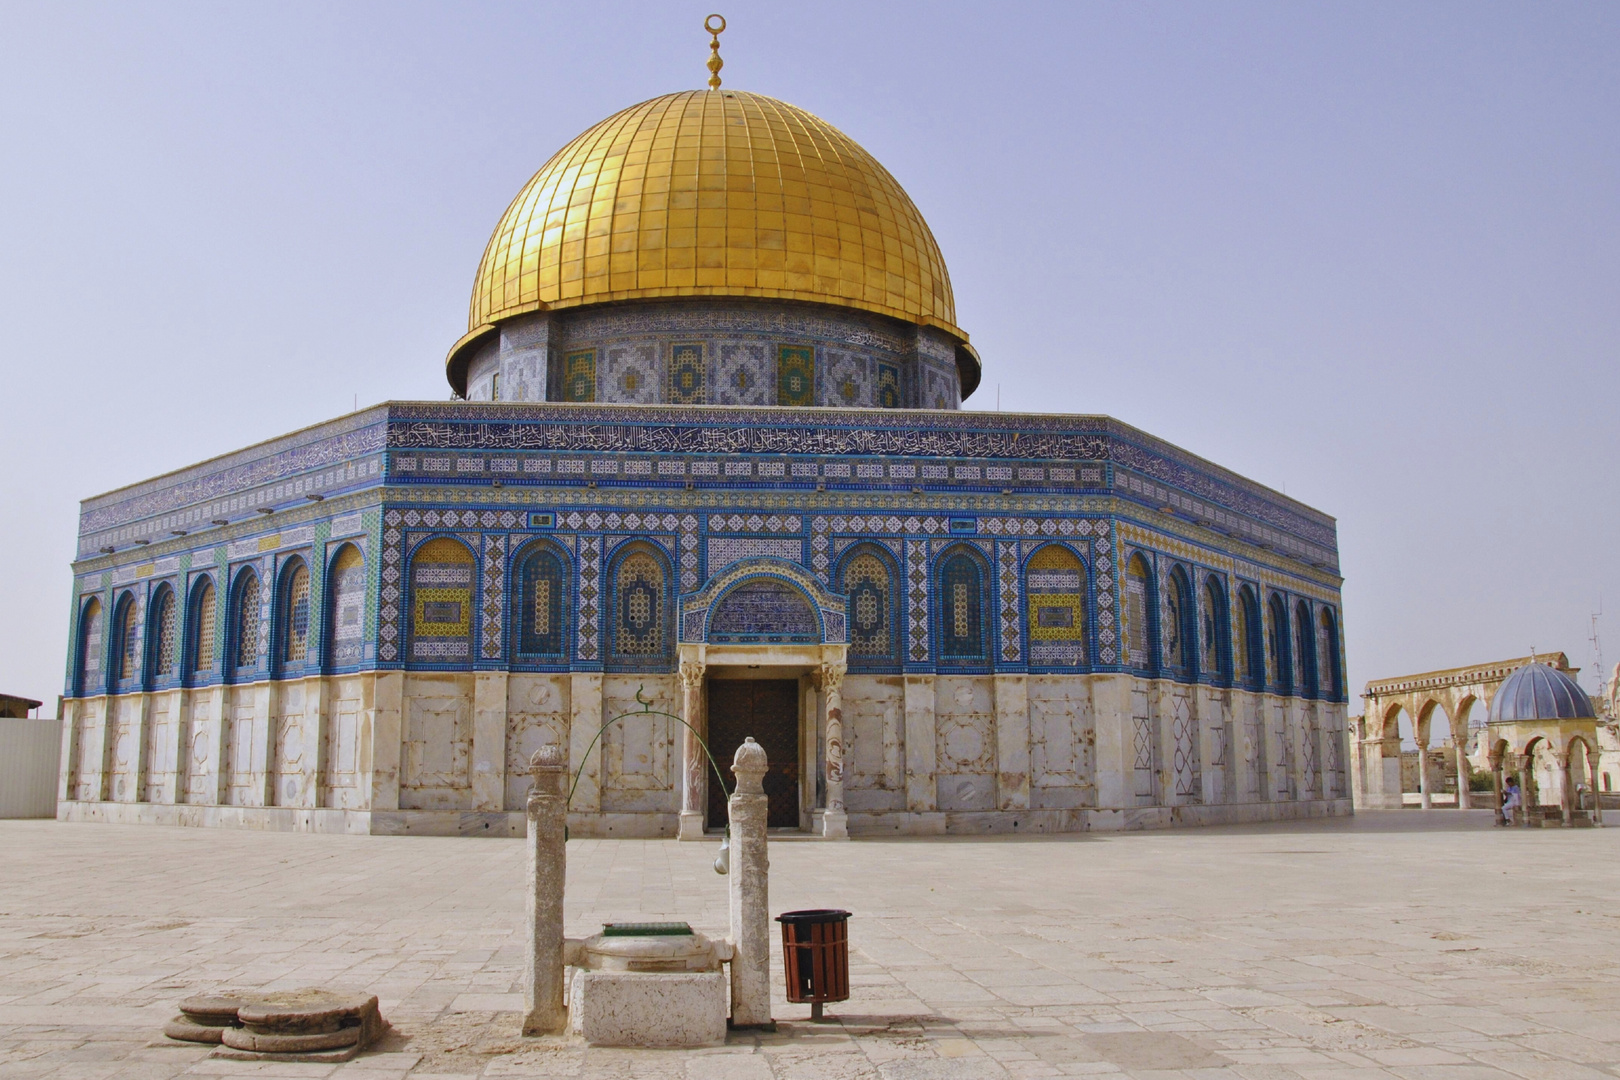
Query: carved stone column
x=750, y=893
x=1423, y=774
x=1597, y=799
x=1566, y=788
x=548, y=864
x=835, y=822
x=1464, y=772
x=1525, y=805
x=694, y=787
x=1496, y=787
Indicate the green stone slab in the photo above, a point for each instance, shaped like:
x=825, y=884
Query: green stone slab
x=646, y=929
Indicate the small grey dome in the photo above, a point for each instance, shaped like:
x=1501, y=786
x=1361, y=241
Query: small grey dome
x=1539, y=692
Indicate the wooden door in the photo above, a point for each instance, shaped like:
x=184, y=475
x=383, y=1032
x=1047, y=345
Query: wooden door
x=767, y=710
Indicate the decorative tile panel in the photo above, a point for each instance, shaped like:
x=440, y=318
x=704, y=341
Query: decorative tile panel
x=725, y=550
x=588, y=637
x=494, y=597
x=1007, y=581
x=686, y=382
x=917, y=600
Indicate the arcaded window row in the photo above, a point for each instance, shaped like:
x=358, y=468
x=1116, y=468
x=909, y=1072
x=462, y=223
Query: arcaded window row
x=1173, y=620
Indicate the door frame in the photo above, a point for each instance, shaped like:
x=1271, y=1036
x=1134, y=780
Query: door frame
x=800, y=662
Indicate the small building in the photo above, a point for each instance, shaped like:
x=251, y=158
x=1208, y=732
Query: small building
x=29, y=755
x=14, y=707
x=1543, y=730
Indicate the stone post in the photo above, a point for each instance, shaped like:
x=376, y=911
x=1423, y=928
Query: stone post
x=548, y=863
x=835, y=822
x=1423, y=774
x=750, y=897
x=693, y=760
x=1464, y=772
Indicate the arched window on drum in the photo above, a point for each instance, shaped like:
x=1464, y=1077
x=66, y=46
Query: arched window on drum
x=959, y=596
x=1179, y=634
x=641, y=630
x=868, y=580
x=292, y=616
x=1214, y=639
x=87, y=674
x=442, y=574
x=1248, y=652
x=539, y=621
x=202, y=619
x=242, y=644
x=1305, y=671
x=126, y=639
x=163, y=632
x=1140, y=615
x=1327, y=644
x=1055, y=594
x=346, y=606
x=1279, y=663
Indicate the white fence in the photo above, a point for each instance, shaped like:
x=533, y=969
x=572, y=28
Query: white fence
x=30, y=751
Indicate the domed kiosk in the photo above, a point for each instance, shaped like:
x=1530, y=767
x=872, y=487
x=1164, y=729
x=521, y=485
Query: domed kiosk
x=1543, y=729
x=707, y=451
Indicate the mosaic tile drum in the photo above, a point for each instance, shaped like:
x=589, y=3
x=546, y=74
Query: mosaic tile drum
x=708, y=427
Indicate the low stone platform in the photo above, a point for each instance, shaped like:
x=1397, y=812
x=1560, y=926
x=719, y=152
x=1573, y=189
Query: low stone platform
x=1394, y=944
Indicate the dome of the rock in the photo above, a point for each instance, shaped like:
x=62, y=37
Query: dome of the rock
x=716, y=193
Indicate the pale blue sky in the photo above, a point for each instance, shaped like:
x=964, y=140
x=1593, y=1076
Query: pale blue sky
x=1369, y=252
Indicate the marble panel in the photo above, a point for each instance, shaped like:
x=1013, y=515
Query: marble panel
x=87, y=743
x=121, y=760
x=198, y=745
x=874, y=722
x=344, y=783
x=964, y=714
x=436, y=750
x=537, y=710
x=639, y=751
x=1062, y=732
x=161, y=719
x=292, y=772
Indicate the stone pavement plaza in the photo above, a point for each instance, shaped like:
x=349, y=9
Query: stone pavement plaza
x=1397, y=944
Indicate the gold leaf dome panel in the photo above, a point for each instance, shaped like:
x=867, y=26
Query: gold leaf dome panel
x=713, y=193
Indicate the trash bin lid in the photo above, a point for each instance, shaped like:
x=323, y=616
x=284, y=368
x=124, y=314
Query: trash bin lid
x=813, y=915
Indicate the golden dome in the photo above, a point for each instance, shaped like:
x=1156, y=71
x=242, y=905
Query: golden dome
x=712, y=193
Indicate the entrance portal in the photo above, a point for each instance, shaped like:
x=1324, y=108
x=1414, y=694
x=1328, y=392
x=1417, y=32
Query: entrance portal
x=767, y=710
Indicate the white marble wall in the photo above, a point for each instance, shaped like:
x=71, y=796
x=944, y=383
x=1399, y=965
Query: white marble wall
x=447, y=752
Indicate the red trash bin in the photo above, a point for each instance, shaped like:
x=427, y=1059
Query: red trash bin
x=815, y=956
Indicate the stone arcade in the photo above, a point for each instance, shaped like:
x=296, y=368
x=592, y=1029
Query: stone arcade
x=709, y=451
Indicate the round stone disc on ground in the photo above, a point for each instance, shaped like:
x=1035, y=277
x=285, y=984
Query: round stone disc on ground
x=186, y=1029
x=304, y=1011
x=242, y=1039
x=216, y=1009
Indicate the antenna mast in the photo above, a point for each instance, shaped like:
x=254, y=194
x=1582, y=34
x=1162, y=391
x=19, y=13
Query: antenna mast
x=1597, y=648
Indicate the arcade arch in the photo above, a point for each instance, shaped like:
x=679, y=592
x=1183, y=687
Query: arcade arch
x=1440, y=707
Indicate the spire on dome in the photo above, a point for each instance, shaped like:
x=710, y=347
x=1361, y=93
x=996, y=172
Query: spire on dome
x=715, y=63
